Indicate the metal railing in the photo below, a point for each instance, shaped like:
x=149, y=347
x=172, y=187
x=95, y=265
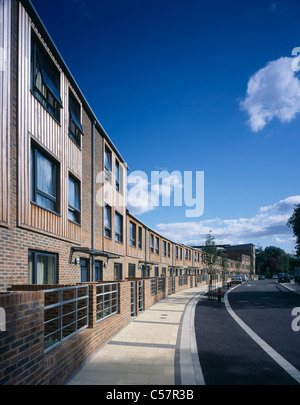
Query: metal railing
x=161, y=284
x=107, y=300
x=153, y=286
x=66, y=313
x=133, y=298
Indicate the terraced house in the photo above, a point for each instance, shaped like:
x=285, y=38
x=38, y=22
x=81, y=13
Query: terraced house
x=64, y=226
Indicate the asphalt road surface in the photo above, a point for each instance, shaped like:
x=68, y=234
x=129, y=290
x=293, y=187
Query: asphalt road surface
x=228, y=355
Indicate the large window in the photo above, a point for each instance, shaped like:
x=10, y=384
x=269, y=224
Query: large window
x=164, y=248
x=118, y=227
x=74, y=200
x=107, y=163
x=117, y=175
x=45, y=79
x=132, y=234
x=75, y=128
x=44, y=180
x=151, y=243
x=140, y=243
x=156, y=246
x=107, y=221
x=42, y=267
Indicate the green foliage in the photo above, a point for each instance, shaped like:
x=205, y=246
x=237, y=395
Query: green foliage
x=210, y=251
x=272, y=260
x=294, y=223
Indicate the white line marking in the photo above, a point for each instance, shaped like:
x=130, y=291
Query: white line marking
x=288, y=367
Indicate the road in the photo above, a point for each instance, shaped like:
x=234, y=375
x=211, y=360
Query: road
x=229, y=356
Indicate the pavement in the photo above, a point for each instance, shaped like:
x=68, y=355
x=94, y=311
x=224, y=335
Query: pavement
x=294, y=287
x=157, y=348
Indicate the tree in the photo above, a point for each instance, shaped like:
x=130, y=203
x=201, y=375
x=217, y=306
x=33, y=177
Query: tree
x=294, y=222
x=210, y=257
x=272, y=260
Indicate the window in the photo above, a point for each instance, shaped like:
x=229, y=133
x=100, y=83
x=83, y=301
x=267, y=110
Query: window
x=140, y=237
x=151, y=243
x=176, y=252
x=75, y=128
x=118, y=271
x=164, y=248
x=169, y=250
x=117, y=175
x=107, y=221
x=45, y=79
x=132, y=235
x=42, y=267
x=156, y=270
x=74, y=200
x=131, y=270
x=180, y=253
x=107, y=163
x=186, y=254
x=156, y=246
x=44, y=179
x=118, y=227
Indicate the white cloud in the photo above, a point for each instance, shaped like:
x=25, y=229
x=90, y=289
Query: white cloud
x=285, y=205
x=272, y=92
x=144, y=196
x=269, y=222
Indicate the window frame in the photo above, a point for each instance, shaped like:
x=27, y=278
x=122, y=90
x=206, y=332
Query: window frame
x=106, y=229
x=35, y=254
x=76, y=137
x=132, y=236
x=156, y=246
x=151, y=243
x=164, y=248
x=41, y=63
x=70, y=207
x=108, y=157
x=140, y=237
x=35, y=190
x=119, y=235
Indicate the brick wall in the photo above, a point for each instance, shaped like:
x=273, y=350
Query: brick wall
x=22, y=358
x=22, y=345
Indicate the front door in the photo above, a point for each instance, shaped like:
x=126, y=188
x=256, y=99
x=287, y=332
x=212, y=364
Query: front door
x=98, y=270
x=84, y=270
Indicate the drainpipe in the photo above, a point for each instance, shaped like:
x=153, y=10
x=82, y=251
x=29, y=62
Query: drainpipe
x=93, y=198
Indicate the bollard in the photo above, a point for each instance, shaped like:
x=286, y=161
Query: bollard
x=219, y=294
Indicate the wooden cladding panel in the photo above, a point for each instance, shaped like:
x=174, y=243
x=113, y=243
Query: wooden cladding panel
x=36, y=124
x=5, y=49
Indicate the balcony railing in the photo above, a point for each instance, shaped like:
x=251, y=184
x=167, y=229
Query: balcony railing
x=107, y=298
x=66, y=313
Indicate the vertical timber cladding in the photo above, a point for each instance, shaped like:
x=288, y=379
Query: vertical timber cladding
x=5, y=49
x=36, y=124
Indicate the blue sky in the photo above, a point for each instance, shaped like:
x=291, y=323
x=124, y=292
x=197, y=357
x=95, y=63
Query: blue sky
x=194, y=85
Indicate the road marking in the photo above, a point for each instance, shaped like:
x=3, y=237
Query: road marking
x=288, y=367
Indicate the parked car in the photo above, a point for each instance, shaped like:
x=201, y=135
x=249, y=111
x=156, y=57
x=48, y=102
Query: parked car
x=236, y=280
x=284, y=278
x=261, y=277
x=275, y=277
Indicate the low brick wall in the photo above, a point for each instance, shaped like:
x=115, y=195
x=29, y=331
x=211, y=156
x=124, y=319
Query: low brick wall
x=22, y=357
x=22, y=345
